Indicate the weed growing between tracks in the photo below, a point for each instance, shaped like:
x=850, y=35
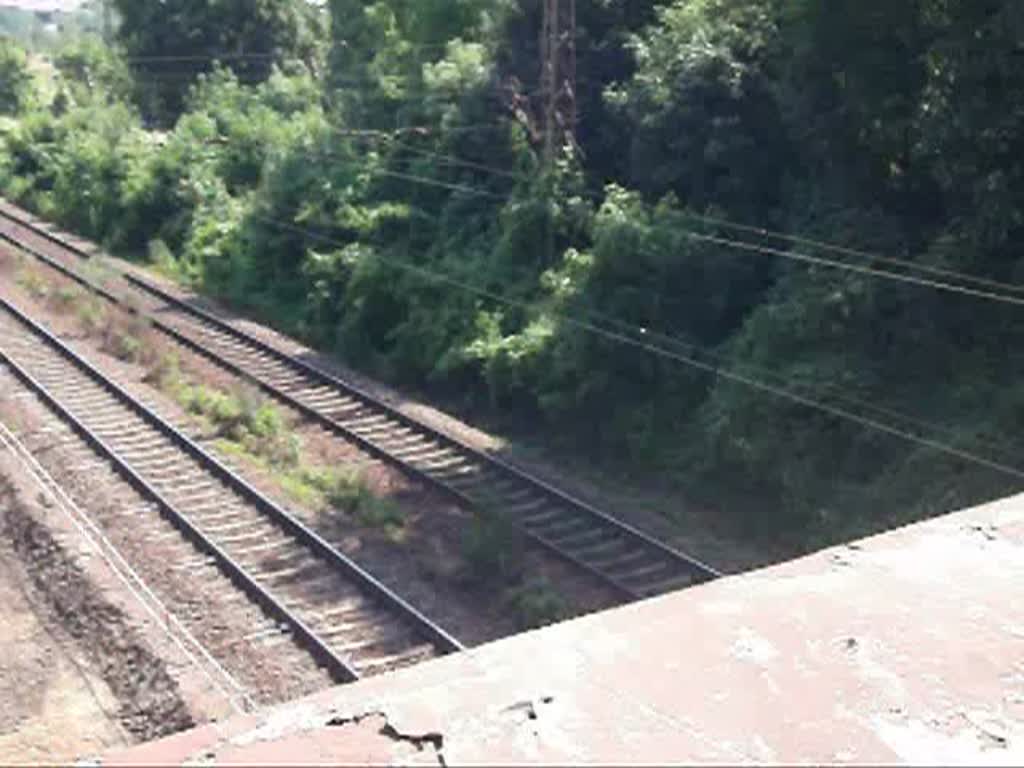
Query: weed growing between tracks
x=250, y=426
x=31, y=279
x=493, y=558
x=244, y=422
x=487, y=563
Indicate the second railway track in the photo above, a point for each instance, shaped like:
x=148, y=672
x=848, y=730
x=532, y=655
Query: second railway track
x=617, y=554
x=350, y=623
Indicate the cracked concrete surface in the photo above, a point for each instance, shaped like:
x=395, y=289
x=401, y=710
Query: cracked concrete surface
x=907, y=647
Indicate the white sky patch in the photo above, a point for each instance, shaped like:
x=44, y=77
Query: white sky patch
x=42, y=5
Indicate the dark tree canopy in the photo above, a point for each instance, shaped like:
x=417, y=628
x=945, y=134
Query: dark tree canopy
x=717, y=139
x=169, y=42
x=14, y=77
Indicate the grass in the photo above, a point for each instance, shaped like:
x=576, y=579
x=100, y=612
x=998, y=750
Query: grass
x=163, y=262
x=32, y=280
x=244, y=422
x=248, y=425
x=493, y=560
x=326, y=489
x=492, y=550
x=535, y=604
x=242, y=416
x=128, y=336
x=90, y=315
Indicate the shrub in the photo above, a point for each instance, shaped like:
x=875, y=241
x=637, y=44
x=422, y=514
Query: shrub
x=128, y=337
x=347, y=491
x=536, y=604
x=15, y=79
x=492, y=550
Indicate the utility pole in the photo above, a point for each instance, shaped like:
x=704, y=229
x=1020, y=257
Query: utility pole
x=558, y=75
x=107, y=27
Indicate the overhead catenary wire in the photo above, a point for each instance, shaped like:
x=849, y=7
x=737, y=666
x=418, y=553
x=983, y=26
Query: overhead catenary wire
x=941, y=285
x=465, y=189
x=834, y=392
x=718, y=221
x=644, y=333
x=459, y=162
x=787, y=254
x=258, y=55
x=725, y=242
x=688, y=360
x=414, y=178
x=648, y=334
x=846, y=266
x=982, y=293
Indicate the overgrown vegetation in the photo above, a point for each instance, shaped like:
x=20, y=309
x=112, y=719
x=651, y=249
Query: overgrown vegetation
x=492, y=560
x=247, y=424
x=376, y=181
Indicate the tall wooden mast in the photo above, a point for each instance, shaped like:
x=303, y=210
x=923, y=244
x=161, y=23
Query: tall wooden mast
x=558, y=75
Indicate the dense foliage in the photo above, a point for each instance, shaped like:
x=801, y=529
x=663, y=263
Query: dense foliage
x=170, y=42
x=15, y=80
x=394, y=209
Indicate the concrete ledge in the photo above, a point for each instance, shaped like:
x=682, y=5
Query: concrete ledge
x=907, y=647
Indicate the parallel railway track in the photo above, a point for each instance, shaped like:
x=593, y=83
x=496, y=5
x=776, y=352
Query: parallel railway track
x=628, y=560
x=309, y=593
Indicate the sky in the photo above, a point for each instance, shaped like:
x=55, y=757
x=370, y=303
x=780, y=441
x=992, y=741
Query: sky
x=41, y=5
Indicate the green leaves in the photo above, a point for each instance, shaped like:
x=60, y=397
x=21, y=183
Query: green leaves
x=395, y=210
x=15, y=80
x=172, y=42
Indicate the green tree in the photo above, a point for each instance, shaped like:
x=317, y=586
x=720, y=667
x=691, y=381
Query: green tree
x=705, y=122
x=91, y=71
x=15, y=79
x=170, y=42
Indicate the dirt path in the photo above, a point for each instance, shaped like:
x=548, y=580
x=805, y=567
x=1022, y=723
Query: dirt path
x=658, y=503
x=422, y=560
x=54, y=706
x=83, y=668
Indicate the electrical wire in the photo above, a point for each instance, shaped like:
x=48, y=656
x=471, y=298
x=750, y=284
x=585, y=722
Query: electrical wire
x=794, y=255
x=689, y=360
x=452, y=186
x=647, y=333
x=725, y=242
x=258, y=55
x=435, y=183
x=857, y=268
x=868, y=255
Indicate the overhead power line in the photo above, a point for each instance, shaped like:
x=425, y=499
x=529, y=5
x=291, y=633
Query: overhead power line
x=856, y=268
x=742, y=245
x=867, y=255
x=686, y=359
x=414, y=178
x=647, y=334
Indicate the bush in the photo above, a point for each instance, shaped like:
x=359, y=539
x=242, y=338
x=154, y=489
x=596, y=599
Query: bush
x=15, y=79
x=536, y=604
x=492, y=550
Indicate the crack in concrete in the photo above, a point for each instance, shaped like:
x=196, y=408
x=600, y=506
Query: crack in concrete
x=528, y=707
x=420, y=741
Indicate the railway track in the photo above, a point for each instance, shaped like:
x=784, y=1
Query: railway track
x=617, y=554
x=310, y=594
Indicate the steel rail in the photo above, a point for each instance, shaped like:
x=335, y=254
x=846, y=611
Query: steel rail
x=338, y=667
x=101, y=544
x=362, y=579
x=323, y=377
x=700, y=571
x=311, y=413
